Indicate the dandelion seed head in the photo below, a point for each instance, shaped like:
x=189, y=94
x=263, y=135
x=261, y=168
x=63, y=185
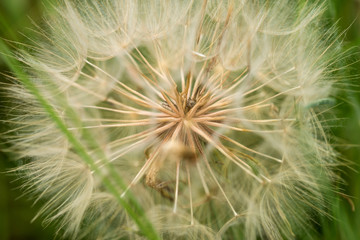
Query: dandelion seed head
x=201, y=108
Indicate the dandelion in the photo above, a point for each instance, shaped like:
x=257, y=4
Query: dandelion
x=202, y=114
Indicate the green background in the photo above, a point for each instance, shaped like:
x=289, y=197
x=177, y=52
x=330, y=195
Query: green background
x=16, y=211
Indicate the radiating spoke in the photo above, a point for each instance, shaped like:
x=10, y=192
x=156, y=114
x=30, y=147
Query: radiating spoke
x=218, y=184
x=241, y=145
x=135, y=112
x=222, y=125
x=117, y=125
x=142, y=171
x=226, y=152
x=266, y=83
x=131, y=138
x=203, y=182
x=251, y=106
x=130, y=92
x=148, y=136
x=190, y=195
x=177, y=185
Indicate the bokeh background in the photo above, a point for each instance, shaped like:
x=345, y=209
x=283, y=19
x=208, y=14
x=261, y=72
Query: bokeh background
x=16, y=211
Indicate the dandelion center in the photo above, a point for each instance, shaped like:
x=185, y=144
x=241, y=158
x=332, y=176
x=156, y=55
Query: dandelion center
x=189, y=112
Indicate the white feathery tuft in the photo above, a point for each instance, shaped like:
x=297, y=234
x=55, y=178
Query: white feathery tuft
x=211, y=113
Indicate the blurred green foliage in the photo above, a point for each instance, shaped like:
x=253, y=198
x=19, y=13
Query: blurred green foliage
x=16, y=17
